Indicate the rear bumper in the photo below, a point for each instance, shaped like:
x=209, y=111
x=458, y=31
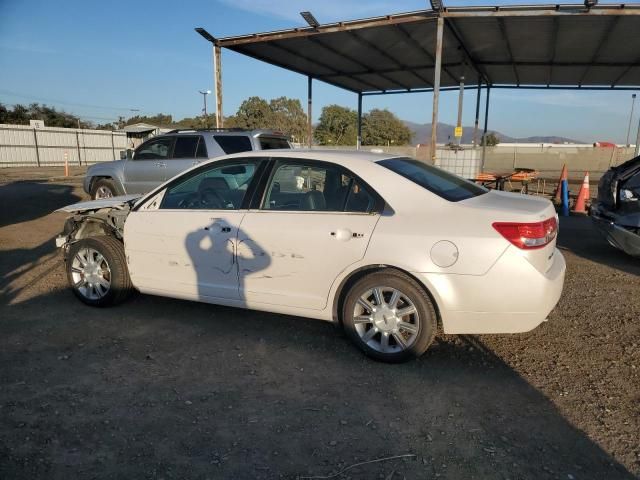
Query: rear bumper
x=512, y=297
x=617, y=236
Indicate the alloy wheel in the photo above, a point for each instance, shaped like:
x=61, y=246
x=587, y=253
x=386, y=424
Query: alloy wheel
x=91, y=274
x=103, y=192
x=386, y=320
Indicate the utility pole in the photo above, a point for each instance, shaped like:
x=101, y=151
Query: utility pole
x=458, y=130
x=637, y=150
x=204, y=94
x=217, y=73
x=633, y=102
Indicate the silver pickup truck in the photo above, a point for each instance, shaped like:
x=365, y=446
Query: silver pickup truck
x=164, y=156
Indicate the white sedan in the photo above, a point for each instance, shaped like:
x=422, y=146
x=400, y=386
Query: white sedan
x=388, y=247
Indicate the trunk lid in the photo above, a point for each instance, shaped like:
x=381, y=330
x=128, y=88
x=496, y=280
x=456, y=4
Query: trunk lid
x=506, y=207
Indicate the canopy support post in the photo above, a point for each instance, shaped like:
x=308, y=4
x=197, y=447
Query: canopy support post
x=309, y=111
x=217, y=60
x=484, y=134
x=359, y=138
x=637, y=150
x=477, y=120
x=460, y=98
x=436, y=88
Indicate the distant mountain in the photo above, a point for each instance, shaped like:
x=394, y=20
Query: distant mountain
x=422, y=134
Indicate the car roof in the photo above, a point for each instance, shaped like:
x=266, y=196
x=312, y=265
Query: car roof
x=342, y=157
x=227, y=131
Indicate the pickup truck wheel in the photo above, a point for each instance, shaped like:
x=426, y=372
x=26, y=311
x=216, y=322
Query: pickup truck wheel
x=103, y=188
x=97, y=271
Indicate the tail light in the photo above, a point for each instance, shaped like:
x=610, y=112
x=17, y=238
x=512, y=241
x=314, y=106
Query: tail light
x=528, y=236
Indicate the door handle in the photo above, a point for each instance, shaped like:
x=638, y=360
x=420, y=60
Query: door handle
x=222, y=229
x=343, y=234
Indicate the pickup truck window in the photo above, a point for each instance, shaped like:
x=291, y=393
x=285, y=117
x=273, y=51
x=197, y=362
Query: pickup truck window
x=157, y=148
x=201, y=152
x=272, y=143
x=185, y=147
x=233, y=143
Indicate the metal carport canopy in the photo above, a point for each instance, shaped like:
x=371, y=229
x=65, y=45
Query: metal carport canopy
x=565, y=45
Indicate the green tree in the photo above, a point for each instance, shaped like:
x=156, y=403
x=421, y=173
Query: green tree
x=196, y=122
x=159, y=120
x=20, y=115
x=381, y=127
x=288, y=117
x=282, y=114
x=337, y=126
x=254, y=112
x=490, y=139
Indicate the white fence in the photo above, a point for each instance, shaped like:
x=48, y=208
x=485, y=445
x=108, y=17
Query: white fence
x=25, y=146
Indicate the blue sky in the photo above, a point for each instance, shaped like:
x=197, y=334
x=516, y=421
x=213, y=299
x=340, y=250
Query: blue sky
x=100, y=59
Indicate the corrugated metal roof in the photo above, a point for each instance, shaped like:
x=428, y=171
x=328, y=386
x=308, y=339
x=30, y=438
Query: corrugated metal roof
x=139, y=128
x=551, y=45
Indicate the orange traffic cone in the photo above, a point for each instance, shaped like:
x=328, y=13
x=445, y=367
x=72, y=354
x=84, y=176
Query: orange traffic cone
x=583, y=196
x=563, y=176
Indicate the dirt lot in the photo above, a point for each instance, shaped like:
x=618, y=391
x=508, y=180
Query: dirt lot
x=160, y=388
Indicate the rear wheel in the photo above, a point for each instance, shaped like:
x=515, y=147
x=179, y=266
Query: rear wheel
x=97, y=271
x=103, y=188
x=389, y=316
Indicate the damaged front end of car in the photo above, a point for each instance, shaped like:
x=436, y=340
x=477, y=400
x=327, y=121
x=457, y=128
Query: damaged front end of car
x=95, y=218
x=616, y=214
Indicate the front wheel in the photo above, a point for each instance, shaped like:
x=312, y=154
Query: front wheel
x=389, y=316
x=97, y=271
x=104, y=188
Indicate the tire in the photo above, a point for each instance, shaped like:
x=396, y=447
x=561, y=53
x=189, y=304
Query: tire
x=99, y=282
x=407, y=336
x=104, y=188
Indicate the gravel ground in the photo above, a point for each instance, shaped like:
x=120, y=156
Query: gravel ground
x=161, y=388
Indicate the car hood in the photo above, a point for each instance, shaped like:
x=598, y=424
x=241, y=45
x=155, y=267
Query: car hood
x=105, y=166
x=112, y=202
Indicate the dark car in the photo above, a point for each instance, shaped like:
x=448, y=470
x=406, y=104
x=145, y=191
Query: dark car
x=617, y=212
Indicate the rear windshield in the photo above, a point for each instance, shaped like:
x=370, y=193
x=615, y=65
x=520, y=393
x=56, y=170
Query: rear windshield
x=234, y=143
x=272, y=143
x=444, y=184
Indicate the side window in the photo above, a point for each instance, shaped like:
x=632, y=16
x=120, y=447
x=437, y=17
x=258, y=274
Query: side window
x=213, y=188
x=359, y=199
x=185, y=147
x=272, y=143
x=201, y=152
x=297, y=186
x=159, y=148
x=233, y=143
